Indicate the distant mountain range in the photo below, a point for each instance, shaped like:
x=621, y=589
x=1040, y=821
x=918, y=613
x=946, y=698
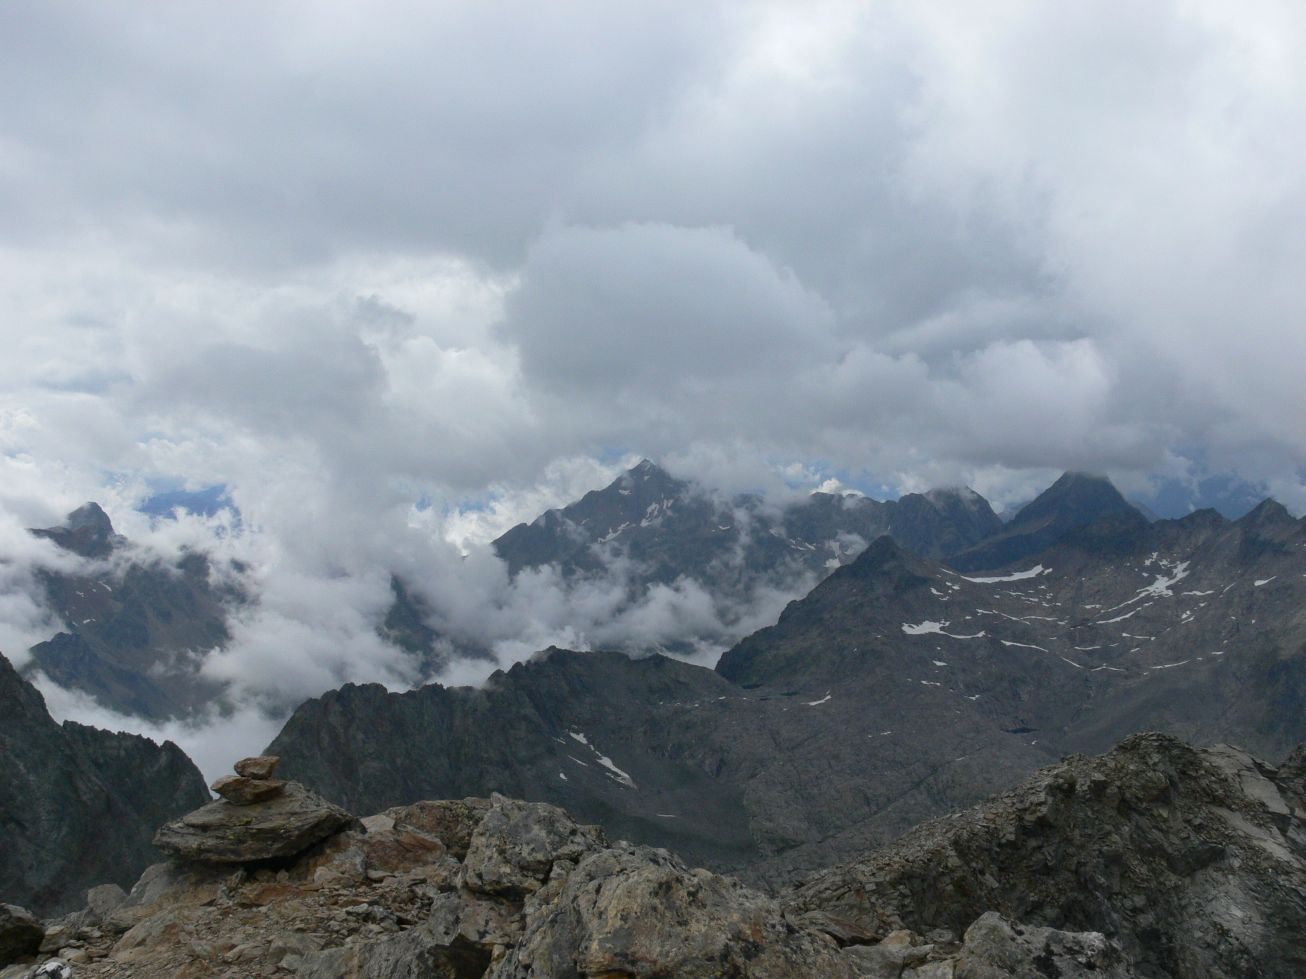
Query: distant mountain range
x=946, y=659
x=135, y=630
x=900, y=688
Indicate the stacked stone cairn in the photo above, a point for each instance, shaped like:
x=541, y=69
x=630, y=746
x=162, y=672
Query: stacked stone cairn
x=253, y=781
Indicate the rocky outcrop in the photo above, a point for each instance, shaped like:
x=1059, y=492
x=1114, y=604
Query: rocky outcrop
x=78, y=805
x=509, y=890
x=1192, y=861
x=1155, y=860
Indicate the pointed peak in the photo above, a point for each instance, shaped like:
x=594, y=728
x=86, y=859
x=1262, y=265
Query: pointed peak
x=1269, y=512
x=86, y=531
x=1081, y=496
x=883, y=555
x=89, y=516
x=646, y=469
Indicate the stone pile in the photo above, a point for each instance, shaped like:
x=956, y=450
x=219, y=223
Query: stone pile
x=253, y=781
x=258, y=818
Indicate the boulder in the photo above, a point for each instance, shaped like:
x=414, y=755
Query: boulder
x=279, y=827
x=20, y=933
x=258, y=767
x=241, y=791
x=516, y=844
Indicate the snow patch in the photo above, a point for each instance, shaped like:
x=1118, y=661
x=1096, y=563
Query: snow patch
x=818, y=703
x=616, y=773
x=1033, y=572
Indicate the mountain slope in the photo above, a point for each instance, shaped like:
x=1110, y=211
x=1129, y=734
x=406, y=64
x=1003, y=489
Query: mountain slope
x=663, y=752
x=79, y=806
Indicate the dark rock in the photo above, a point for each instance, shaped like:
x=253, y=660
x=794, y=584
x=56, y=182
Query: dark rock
x=20, y=933
x=241, y=791
x=279, y=827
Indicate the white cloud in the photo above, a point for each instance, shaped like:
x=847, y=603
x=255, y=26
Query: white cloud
x=481, y=257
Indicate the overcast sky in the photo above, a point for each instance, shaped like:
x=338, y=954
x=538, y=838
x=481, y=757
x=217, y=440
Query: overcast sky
x=343, y=257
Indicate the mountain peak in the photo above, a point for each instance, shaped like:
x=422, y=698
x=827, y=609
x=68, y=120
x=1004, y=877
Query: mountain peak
x=1268, y=513
x=1076, y=497
x=86, y=531
x=1075, y=500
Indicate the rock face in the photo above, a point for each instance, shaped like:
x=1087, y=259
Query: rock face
x=1192, y=862
x=79, y=805
x=500, y=888
x=225, y=833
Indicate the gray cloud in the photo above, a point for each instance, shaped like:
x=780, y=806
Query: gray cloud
x=343, y=260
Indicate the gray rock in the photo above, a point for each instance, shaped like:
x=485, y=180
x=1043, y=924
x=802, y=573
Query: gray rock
x=419, y=953
x=517, y=843
x=279, y=827
x=1178, y=856
x=102, y=901
x=996, y=948
x=635, y=911
x=20, y=933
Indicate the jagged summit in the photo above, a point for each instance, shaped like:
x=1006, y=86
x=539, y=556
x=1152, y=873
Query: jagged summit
x=86, y=531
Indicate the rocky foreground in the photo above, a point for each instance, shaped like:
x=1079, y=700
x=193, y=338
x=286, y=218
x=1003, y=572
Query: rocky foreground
x=1156, y=859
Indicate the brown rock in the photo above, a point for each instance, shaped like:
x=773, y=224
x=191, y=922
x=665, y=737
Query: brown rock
x=240, y=791
x=260, y=766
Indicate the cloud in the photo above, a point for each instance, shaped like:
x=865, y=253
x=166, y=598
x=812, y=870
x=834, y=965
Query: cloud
x=400, y=279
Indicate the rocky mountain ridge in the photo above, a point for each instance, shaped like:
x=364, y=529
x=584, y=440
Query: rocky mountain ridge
x=79, y=806
x=1154, y=860
x=897, y=690
x=671, y=527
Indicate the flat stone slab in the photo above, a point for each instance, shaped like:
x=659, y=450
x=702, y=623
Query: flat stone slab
x=240, y=791
x=281, y=826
